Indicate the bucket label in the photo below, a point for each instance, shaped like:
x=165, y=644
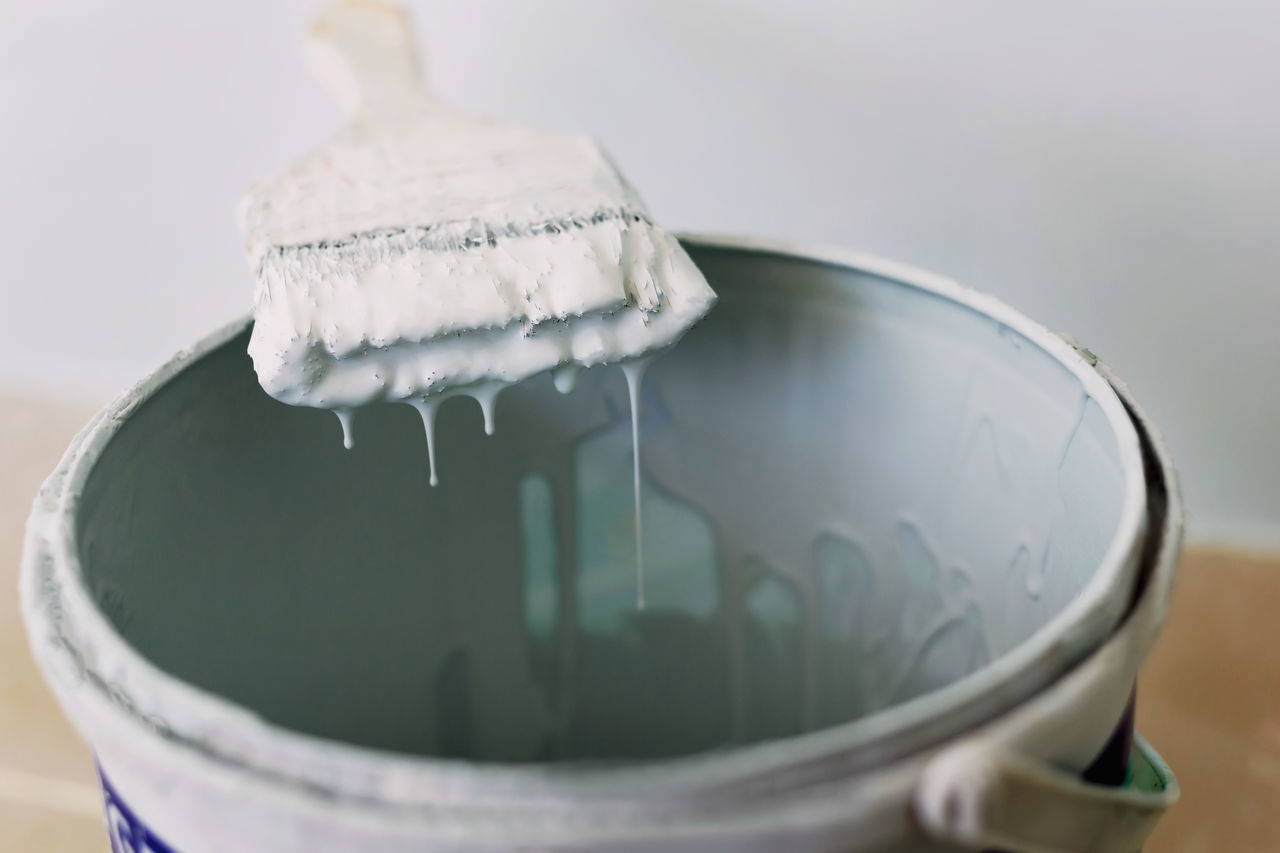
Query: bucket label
x=126, y=832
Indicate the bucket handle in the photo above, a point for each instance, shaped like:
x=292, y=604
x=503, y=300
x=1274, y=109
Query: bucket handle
x=983, y=795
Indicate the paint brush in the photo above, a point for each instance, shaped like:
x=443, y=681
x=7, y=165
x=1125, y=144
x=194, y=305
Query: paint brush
x=422, y=249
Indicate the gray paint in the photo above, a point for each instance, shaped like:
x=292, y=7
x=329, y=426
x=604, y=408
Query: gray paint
x=897, y=489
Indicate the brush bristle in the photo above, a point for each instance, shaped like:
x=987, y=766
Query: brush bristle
x=435, y=250
x=398, y=316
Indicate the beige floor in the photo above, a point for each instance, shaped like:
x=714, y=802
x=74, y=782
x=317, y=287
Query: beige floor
x=1209, y=700
x=48, y=802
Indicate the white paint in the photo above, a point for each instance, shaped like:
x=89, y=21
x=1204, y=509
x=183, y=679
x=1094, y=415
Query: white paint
x=304, y=373
x=427, y=410
x=348, y=436
x=634, y=372
x=1109, y=168
x=487, y=397
x=422, y=249
x=566, y=378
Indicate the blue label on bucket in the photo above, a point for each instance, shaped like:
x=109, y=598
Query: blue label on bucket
x=126, y=832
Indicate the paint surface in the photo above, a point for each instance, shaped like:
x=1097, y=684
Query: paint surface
x=852, y=494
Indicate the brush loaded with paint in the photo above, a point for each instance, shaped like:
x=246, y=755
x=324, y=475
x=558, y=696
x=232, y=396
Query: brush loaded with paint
x=422, y=251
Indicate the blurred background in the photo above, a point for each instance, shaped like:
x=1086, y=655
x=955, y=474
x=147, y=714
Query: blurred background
x=1109, y=168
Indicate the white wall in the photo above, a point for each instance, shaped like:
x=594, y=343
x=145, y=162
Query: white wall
x=1111, y=168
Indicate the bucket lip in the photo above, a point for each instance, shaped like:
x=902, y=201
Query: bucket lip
x=120, y=683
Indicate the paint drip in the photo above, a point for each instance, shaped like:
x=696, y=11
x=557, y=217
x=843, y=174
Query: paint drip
x=487, y=396
x=427, y=410
x=344, y=418
x=565, y=379
x=634, y=372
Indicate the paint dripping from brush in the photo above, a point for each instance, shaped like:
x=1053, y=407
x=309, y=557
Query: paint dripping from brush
x=427, y=410
x=487, y=396
x=344, y=418
x=566, y=378
x=634, y=373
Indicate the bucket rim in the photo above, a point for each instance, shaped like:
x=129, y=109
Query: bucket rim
x=101, y=680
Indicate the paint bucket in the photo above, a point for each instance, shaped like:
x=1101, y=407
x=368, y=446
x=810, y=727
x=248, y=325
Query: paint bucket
x=905, y=552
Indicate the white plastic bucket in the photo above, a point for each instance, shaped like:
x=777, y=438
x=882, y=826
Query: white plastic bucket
x=906, y=552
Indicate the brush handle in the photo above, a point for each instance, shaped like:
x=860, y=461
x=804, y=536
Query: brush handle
x=364, y=53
